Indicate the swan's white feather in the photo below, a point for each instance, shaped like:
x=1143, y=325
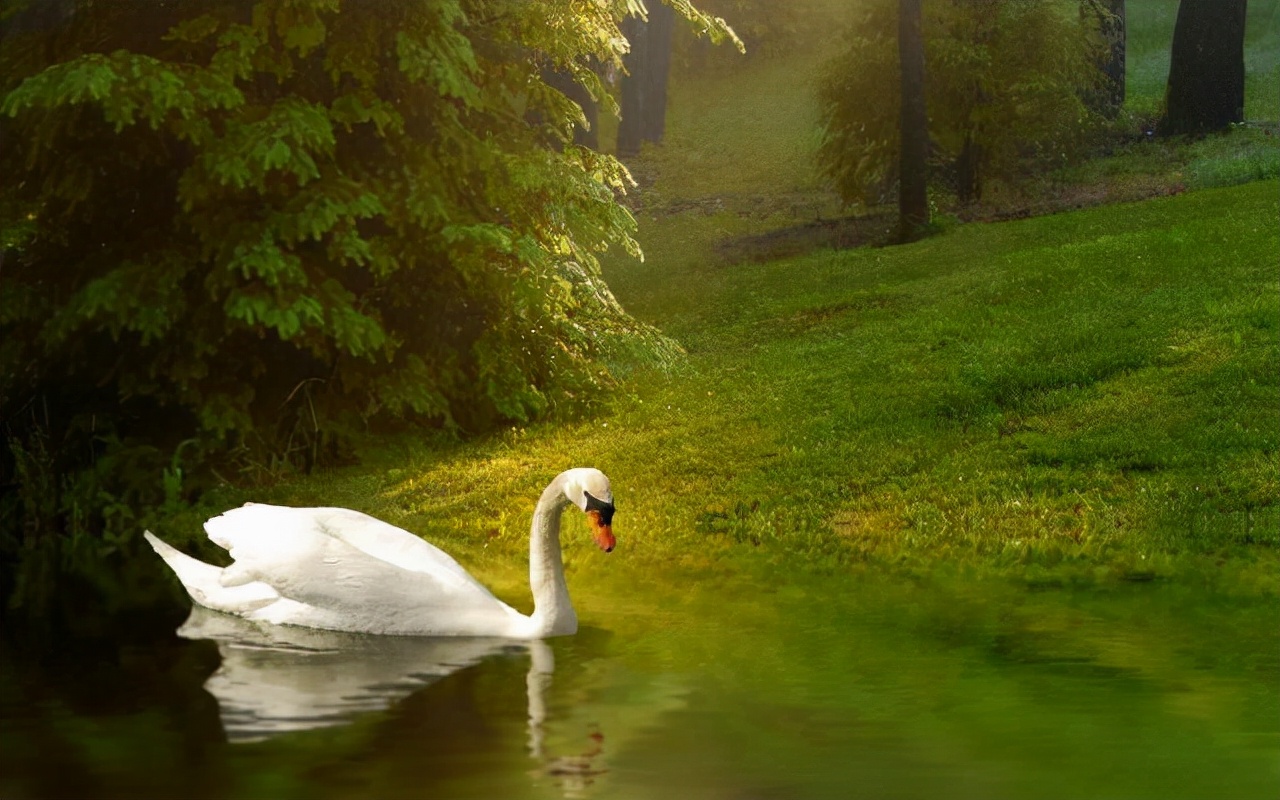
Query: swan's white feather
x=257, y=534
x=203, y=582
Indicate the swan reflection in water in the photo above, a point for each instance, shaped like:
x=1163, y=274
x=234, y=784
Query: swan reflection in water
x=276, y=679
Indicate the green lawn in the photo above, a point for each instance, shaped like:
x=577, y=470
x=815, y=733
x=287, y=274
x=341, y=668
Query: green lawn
x=1086, y=396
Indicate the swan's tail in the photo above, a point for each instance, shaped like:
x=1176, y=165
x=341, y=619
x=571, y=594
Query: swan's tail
x=204, y=582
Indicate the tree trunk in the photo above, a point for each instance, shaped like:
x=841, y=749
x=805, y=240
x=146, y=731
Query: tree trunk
x=1206, y=68
x=644, y=86
x=662, y=24
x=631, y=125
x=969, y=172
x=913, y=199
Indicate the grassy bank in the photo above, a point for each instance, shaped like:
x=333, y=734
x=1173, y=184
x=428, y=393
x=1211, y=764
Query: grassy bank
x=1080, y=397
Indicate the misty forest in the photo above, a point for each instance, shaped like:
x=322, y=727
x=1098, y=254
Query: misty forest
x=640, y=398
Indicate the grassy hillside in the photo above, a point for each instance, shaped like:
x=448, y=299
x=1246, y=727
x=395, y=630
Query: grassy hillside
x=1076, y=397
x=1084, y=396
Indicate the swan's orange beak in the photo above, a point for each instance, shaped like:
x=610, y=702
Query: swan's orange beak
x=602, y=533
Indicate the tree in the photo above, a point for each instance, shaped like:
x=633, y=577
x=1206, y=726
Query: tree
x=644, y=86
x=585, y=131
x=1206, y=68
x=263, y=227
x=1006, y=81
x=913, y=200
x=657, y=72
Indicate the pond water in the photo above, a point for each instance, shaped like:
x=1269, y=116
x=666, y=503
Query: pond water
x=713, y=683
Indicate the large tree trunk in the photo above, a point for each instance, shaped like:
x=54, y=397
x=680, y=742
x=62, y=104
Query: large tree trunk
x=662, y=24
x=644, y=86
x=1206, y=68
x=913, y=199
x=631, y=108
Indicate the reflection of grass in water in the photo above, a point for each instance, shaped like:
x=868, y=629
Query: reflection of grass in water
x=741, y=676
x=806, y=682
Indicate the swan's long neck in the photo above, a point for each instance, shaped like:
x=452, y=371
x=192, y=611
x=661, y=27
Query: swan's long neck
x=552, y=612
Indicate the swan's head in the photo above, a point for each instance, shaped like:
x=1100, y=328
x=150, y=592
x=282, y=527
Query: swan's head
x=588, y=489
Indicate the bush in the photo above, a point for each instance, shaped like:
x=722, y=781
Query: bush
x=270, y=226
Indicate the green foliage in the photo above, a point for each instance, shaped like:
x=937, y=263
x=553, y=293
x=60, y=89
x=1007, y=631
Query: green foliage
x=1004, y=86
x=255, y=222
x=766, y=28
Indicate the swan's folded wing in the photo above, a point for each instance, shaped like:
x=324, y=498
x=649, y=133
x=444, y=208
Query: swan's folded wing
x=395, y=546
x=282, y=533
x=320, y=558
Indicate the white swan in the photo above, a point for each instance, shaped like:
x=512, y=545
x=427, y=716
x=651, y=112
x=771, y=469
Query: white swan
x=342, y=570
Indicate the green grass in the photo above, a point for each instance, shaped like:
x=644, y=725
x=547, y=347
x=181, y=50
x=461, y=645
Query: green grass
x=1087, y=396
x=766, y=152
x=1147, y=46
x=1135, y=170
x=1262, y=61
x=1247, y=155
x=753, y=158
x=742, y=140
x=1103, y=377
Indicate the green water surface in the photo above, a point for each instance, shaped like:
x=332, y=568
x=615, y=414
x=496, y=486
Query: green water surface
x=738, y=681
